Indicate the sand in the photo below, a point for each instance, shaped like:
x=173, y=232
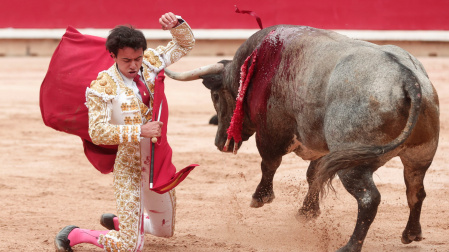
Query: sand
x=46, y=182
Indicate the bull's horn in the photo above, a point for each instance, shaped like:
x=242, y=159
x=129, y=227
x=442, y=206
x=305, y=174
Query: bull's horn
x=195, y=73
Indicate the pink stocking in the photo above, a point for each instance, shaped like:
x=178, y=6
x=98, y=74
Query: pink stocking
x=116, y=223
x=79, y=235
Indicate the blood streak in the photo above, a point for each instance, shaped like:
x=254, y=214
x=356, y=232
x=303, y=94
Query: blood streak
x=268, y=59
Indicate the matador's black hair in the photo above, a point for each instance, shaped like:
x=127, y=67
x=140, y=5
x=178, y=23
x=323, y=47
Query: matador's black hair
x=125, y=36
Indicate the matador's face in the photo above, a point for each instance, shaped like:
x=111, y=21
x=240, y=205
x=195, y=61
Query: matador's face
x=129, y=61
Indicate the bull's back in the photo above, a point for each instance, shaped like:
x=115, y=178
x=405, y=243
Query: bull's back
x=309, y=61
x=343, y=91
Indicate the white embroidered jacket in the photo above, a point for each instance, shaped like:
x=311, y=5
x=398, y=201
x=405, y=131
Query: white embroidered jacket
x=115, y=112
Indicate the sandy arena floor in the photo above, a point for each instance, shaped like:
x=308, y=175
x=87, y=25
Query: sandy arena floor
x=47, y=183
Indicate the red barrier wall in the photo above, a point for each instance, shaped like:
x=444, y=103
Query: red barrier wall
x=211, y=14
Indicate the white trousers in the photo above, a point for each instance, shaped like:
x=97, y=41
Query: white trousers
x=139, y=209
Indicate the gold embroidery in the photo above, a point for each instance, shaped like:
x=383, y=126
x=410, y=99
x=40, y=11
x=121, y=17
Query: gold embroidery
x=183, y=35
x=104, y=84
x=129, y=92
x=143, y=108
x=152, y=58
x=133, y=106
x=146, y=75
x=126, y=129
x=128, y=120
x=124, y=107
x=116, y=138
x=136, y=120
x=176, y=54
x=151, y=87
x=146, y=113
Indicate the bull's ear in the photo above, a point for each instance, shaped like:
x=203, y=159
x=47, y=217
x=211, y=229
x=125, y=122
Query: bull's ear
x=212, y=81
x=215, y=81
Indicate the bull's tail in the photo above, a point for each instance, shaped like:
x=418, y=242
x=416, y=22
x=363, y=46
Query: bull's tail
x=329, y=165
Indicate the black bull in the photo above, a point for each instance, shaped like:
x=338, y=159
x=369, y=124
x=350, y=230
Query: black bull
x=347, y=105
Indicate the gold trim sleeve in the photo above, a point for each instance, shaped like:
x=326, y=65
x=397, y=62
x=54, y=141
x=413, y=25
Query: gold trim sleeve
x=101, y=131
x=182, y=43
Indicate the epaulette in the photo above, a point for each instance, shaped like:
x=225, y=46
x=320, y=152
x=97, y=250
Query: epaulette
x=152, y=58
x=104, y=84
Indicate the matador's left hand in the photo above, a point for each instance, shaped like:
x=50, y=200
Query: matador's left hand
x=168, y=21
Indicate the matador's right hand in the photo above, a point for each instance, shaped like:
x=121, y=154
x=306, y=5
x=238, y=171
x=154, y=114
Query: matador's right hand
x=151, y=129
x=168, y=21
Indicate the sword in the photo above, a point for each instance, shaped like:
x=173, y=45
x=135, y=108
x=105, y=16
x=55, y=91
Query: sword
x=153, y=141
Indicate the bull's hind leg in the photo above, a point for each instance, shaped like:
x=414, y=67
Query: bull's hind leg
x=359, y=183
x=414, y=172
x=311, y=205
x=264, y=191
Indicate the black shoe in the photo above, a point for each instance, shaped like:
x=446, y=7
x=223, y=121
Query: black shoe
x=62, y=242
x=107, y=220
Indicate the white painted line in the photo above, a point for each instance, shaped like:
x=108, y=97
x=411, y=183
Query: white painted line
x=228, y=34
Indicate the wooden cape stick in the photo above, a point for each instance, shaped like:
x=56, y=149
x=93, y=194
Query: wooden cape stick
x=153, y=141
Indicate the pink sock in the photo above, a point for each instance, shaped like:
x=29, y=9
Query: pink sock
x=79, y=235
x=116, y=223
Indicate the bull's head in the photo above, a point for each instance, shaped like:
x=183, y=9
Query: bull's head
x=219, y=80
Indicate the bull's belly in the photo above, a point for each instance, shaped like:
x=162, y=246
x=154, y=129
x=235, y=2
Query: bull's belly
x=311, y=154
x=303, y=151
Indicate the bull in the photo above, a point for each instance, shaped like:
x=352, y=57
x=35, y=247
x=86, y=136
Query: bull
x=346, y=105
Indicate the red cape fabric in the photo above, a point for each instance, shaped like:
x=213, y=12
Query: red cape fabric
x=75, y=63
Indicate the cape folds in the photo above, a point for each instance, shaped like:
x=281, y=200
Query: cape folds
x=75, y=63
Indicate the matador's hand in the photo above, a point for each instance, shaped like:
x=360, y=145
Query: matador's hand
x=168, y=21
x=151, y=129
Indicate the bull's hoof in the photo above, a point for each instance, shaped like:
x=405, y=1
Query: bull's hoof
x=307, y=214
x=408, y=237
x=345, y=249
x=351, y=247
x=256, y=203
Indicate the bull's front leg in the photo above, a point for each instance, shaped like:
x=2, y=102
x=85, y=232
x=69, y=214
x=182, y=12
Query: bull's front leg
x=264, y=191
